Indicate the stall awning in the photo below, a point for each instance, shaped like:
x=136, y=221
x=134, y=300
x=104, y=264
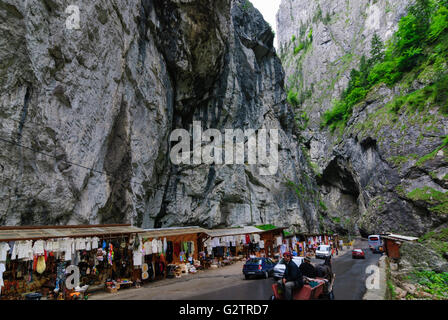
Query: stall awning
x=234, y=231
x=51, y=232
x=175, y=231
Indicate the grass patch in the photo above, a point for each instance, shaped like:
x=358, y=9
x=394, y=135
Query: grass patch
x=433, y=283
x=336, y=220
x=391, y=290
x=438, y=201
x=433, y=154
x=438, y=241
x=324, y=207
x=266, y=227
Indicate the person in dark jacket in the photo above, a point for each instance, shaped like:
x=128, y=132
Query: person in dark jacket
x=292, y=278
x=307, y=269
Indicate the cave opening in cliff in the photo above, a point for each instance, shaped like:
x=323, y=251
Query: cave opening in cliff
x=338, y=174
x=341, y=192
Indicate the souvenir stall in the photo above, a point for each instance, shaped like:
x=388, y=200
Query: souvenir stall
x=225, y=246
x=169, y=252
x=312, y=241
x=272, y=241
x=39, y=262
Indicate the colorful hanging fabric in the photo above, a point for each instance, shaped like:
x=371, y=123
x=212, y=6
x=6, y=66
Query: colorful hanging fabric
x=110, y=255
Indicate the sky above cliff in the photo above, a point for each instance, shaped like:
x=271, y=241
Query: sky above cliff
x=268, y=9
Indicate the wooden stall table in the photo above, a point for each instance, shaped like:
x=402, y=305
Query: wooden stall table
x=125, y=284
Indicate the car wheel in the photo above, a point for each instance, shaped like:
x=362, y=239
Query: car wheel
x=246, y=276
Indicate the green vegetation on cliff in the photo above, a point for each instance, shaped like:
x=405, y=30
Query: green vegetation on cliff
x=433, y=283
x=420, y=42
x=437, y=200
x=438, y=241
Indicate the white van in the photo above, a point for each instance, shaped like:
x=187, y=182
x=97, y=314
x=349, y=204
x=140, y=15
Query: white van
x=323, y=251
x=375, y=243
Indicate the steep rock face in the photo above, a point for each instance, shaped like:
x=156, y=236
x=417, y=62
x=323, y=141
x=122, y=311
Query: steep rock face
x=86, y=115
x=375, y=174
x=246, y=94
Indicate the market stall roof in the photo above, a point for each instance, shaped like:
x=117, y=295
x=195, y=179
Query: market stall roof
x=51, y=232
x=175, y=231
x=399, y=237
x=236, y=231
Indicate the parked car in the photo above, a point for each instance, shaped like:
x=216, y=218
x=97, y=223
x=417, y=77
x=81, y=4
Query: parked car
x=280, y=267
x=258, y=267
x=358, y=253
x=323, y=251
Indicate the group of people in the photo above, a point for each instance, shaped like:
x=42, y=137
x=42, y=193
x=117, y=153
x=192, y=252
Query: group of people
x=295, y=277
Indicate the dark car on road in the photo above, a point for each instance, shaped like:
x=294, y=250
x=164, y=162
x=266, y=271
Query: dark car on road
x=263, y=267
x=358, y=253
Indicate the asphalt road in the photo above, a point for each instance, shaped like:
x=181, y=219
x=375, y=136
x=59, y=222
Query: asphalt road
x=349, y=282
x=228, y=283
x=351, y=274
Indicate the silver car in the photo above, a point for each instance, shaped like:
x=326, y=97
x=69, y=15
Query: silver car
x=280, y=267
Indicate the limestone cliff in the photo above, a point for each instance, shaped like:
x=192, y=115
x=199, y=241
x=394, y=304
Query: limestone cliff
x=382, y=172
x=86, y=114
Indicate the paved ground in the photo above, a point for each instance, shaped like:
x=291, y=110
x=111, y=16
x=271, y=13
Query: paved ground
x=203, y=282
x=351, y=274
x=228, y=283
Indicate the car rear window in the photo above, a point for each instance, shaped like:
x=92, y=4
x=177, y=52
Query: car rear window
x=254, y=261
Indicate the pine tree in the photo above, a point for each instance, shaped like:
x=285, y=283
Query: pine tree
x=377, y=50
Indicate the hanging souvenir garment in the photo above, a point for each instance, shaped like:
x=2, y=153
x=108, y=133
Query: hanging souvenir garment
x=279, y=241
x=110, y=255
x=154, y=245
x=95, y=241
x=160, y=246
x=145, y=274
x=123, y=243
x=88, y=244
x=137, y=258
x=40, y=268
x=148, y=248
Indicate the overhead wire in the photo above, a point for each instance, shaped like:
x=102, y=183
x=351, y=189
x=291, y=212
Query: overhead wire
x=6, y=141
